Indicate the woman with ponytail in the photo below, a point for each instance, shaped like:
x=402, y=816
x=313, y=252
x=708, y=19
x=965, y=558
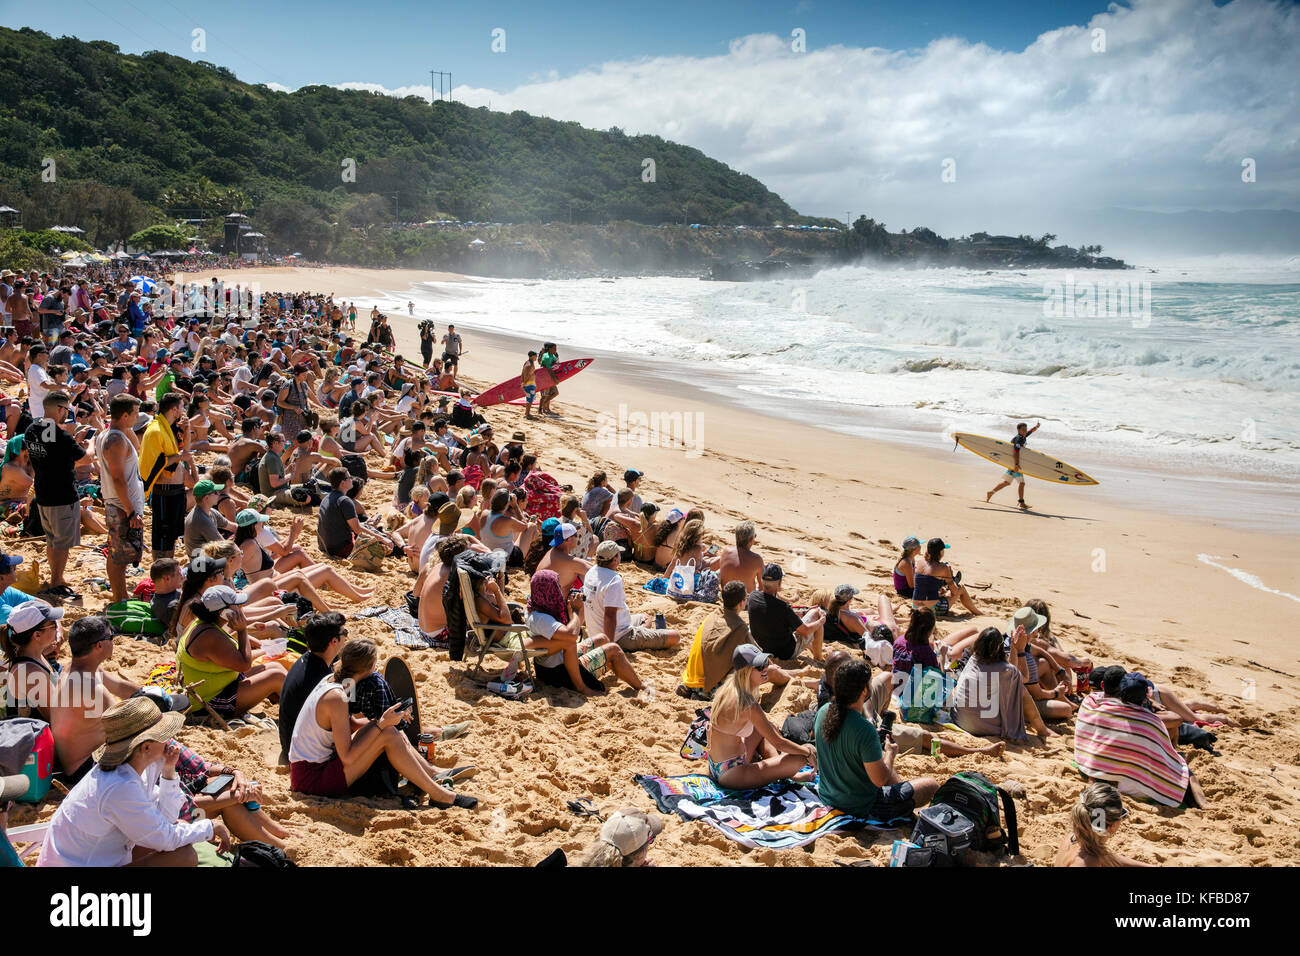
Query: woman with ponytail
x=1094, y=820
x=745, y=750
x=856, y=774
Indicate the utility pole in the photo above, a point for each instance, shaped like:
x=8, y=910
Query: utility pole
x=436, y=77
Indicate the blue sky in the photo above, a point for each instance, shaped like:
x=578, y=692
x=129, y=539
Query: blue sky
x=395, y=44
x=1022, y=116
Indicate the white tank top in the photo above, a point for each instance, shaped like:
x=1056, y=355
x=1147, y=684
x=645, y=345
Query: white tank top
x=134, y=489
x=310, y=741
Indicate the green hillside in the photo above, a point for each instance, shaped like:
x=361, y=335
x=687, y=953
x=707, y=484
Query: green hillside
x=144, y=139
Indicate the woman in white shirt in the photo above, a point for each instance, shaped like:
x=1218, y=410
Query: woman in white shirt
x=126, y=811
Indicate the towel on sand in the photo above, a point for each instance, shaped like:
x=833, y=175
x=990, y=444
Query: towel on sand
x=780, y=816
x=1130, y=747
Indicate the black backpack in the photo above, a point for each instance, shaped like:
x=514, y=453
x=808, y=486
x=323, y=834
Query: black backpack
x=964, y=814
x=255, y=853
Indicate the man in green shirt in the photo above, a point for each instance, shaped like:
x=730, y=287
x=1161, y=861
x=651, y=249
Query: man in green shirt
x=547, y=359
x=168, y=379
x=853, y=774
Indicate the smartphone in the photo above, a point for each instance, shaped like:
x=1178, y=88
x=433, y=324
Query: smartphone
x=406, y=704
x=218, y=784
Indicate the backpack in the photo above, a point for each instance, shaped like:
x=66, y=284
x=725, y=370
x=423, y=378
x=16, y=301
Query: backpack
x=920, y=701
x=964, y=814
x=134, y=617
x=258, y=854
x=368, y=556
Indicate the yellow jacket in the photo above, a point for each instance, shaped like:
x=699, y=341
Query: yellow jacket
x=158, y=443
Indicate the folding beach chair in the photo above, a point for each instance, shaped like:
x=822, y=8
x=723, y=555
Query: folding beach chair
x=503, y=641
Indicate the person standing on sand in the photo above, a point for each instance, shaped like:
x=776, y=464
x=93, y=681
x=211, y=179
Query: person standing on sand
x=1013, y=473
x=550, y=355
x=451, y=347
x=528, y=379
x=410, y=307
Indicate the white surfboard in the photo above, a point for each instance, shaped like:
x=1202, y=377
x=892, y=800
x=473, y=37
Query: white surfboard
x=1032, y=463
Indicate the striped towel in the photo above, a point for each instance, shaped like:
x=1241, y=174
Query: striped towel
x=1129, y=746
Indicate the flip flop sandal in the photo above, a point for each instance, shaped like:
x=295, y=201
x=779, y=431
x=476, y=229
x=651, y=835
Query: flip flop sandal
x=448, y=777
x=584, y=808
x=453, y=731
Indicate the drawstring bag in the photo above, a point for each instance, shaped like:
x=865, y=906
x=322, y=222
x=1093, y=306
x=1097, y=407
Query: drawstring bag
x=368, y=556
x=681, y=583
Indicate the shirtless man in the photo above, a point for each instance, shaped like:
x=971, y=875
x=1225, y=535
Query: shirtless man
x=85, y=692
x=528, y=379
x=247, y=445
x=741, y=563
x=433, y=617
x=570, y=570
x=19, y=308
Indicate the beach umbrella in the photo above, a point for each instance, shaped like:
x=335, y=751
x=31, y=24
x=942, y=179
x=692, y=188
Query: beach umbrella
x=69, y=255
x=191, y=250
x=144, y=284
x=142, y=256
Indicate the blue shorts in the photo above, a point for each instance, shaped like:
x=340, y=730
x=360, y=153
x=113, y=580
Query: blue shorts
x=894, y=801
x=530, y=392
x=1015, y=474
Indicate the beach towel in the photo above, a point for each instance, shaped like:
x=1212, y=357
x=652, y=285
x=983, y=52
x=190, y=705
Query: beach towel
x=780, y=816
x=406, y=629
x=1129, y=746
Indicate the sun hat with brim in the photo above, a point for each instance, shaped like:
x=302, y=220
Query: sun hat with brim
x=448, y=518
x=629, y=830
x=517, y=437
x=1027, y=618
x=248, y=516
x=32, y=614
x=130, y=723
x=13, y=786
x=258, y=503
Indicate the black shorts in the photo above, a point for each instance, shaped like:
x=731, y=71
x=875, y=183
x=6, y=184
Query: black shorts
x=557, y=676
x=894, y=801
x=516, y=558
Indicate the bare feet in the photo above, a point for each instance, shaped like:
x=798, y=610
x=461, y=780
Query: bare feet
x=996, y=749
x=805, y=776
x=988, y=496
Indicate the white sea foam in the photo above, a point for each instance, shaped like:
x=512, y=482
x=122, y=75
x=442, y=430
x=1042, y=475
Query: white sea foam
x=1210, y=383
x=1244, y=577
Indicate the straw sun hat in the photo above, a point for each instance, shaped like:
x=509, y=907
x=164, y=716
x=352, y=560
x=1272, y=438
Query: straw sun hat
x=134, y=721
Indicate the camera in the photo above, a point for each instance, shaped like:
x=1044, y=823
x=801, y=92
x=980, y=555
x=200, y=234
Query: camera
x=886, y=726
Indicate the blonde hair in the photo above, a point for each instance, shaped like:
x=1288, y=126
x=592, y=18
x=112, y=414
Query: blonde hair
x=220, y=549
x=420, y=493
x=465, y=497
x=357, y=659
x=428, y=468
x=734, y=697
x=822, y=597
x=601, y=853
x=1099, y=801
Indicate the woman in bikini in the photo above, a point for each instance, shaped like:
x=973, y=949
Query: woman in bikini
x=31, y=679
x=200, y=425
x=690, y=547
x=293, y=570
x=932, y=574
x=745, y=750
x=905, y=568
x=1096, y=817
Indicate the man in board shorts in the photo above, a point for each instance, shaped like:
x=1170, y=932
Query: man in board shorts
x=1013, y=473
x=528, y=378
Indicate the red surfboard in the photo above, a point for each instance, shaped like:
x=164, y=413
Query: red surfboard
x=514, y=389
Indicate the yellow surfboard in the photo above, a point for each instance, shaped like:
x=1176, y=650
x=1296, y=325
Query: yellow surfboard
x=1032, y=463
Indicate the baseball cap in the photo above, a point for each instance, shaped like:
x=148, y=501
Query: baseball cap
x=910, y=542
x=202, y=564
x=607, y=550
x=629, y=830
x=548, y=528
x=222, y=597
x=8, y=562
x=563, y=533
x=13, y=786
x=248, y=516
x=675, y=516
x=772, y=572
x=846, y=591
x=632, y=475
x=1133, y=688
x=205, y=486
x=749, y=655
x=32, y=614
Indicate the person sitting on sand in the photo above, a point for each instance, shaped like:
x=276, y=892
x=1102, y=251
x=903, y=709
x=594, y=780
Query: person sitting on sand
x=1117, y=738
x=905, y=567
x=932, y=574
x=1053, y=704
x=32, y=628
x=228, y=682
x=328, y=752
x=577, y=663
x=741, y=563
x=874, y=637
x=855, y=773
x=987, y=701
x=914, y=646
x=912, y=738
x=125, y=811
x=571, y=571
x=643, y=546
x=625, y=839
x=777, y=629
x=323, y=634
x=291, y=567
x=431, y=615
x=1095, y=818
x=713, y=649
x=1055, y=664
x=504, y=529
x=689, y=549
x=665, y=536
x=606, y=607
x=745, y=750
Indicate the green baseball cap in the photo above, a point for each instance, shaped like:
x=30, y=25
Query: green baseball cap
x=205, y=487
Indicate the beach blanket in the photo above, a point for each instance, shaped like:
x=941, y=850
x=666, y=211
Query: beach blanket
x=406, y=629
x=1129, y=746
x=780, y=816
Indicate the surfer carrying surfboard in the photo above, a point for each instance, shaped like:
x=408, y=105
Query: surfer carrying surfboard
x=528, y=382
x=1023, y=432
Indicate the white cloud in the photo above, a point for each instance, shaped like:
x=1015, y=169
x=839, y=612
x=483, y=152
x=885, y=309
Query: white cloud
x=278, y=87
x=1161, y=120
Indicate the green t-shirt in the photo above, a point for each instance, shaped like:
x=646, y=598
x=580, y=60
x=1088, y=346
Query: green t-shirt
x=164, y=385
x=546, y=361
x=842, y=780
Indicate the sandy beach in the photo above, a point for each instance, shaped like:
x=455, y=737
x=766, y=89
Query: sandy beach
x=1124, y=585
